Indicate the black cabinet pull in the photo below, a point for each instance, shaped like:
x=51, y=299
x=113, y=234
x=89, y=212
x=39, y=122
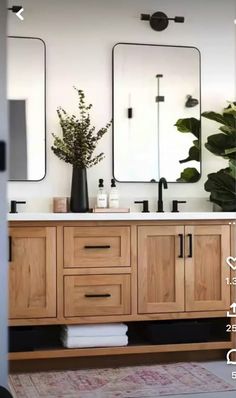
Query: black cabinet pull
x=190, y=255
x=97, y=247
x=181, y=247
x=98, y=295
x=9, y=248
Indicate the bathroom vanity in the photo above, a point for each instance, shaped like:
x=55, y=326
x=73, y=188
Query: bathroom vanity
x=133, y=267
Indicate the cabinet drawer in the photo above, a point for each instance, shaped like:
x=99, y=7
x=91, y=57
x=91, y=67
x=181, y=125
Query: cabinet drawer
x=96, y=246
x=96, y=295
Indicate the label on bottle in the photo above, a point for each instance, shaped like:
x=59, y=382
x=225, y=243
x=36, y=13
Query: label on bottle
x=114, y=201
x=102, y=200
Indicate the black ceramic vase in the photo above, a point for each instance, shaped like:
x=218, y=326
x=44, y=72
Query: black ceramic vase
x=79, y=202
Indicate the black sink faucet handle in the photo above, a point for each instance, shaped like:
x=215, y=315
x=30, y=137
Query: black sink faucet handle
x=175, y=205
x=14, y=204
x=145, y=205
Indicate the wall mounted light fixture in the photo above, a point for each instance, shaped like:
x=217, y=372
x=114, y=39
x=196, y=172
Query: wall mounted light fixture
x=159, y=21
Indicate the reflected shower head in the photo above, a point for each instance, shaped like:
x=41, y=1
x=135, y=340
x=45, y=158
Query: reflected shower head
x=191, y=102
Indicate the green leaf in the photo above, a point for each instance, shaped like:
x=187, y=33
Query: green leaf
x=227, y=120
x=222, y=186
x=189, y=125
x=220, y=143
x=194, y=154
x=232, y=168
x=228, y=129
x=231, y=109
x=197, y=144
x=190, y=174
x=231, y=150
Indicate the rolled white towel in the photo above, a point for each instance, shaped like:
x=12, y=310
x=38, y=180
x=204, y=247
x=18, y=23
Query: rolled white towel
x=108, y=329
x=83, y=342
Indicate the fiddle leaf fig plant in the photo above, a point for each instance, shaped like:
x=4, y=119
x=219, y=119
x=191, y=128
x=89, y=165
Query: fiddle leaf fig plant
x=190, y=125
x=189, y=174
x=222, y=184
x=79, y=139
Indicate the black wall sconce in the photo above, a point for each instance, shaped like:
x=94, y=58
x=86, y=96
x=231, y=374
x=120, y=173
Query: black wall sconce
x=159, y=21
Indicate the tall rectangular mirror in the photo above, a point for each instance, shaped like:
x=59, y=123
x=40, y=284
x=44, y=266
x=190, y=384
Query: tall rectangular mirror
x=155, y=86
x=26, y=104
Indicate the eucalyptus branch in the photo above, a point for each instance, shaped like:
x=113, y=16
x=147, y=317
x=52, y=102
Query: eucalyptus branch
x=79, y=139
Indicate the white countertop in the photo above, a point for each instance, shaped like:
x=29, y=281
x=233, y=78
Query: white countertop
x=121, y=216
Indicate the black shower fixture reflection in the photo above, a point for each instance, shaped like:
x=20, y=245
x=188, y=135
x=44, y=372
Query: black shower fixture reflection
x=191, y=102
x=159, y=21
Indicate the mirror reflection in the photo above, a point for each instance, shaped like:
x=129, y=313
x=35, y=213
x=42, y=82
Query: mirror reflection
x=156, y=113
x=26, y=104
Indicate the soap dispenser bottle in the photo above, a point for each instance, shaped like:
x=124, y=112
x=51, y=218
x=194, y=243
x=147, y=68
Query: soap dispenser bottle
x=113, y=196
x=101, y=195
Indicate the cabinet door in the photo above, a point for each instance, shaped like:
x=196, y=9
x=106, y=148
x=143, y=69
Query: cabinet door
x=206, y=268
x=32, y=272
x=160, y=269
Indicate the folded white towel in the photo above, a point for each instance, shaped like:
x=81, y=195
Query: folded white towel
x=108, y=329
x=82, y=342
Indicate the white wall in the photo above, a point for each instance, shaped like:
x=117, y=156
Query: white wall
x=79, y=36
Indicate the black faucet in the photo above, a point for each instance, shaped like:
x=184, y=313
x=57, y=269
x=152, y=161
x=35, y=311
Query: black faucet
x=14, y=204
x=162, y=182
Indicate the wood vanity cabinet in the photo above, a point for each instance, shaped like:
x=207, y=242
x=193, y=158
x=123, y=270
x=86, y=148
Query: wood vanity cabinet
x=84, y=272
x=32, y=272
x=183, y=268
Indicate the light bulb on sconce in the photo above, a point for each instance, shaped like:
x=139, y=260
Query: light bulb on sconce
x=159, y=21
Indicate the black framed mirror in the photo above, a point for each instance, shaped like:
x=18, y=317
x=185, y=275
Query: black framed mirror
x=156, y=87
x=26, y=93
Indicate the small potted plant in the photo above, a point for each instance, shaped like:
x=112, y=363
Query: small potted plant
x=222, y=184
x=77, y=145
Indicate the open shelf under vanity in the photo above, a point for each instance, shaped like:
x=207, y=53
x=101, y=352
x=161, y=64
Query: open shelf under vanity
x=211, y=335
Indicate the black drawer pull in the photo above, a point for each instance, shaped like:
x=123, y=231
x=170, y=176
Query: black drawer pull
x=97, y=247
x=98, y=295
x=181, y=248
x=9, y=248
x=190, y=255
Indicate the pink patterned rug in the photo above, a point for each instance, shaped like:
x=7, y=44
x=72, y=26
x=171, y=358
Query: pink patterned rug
x=128, y=382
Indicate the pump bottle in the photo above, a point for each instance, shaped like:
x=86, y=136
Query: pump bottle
x=101, y=195
x=113, y=195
